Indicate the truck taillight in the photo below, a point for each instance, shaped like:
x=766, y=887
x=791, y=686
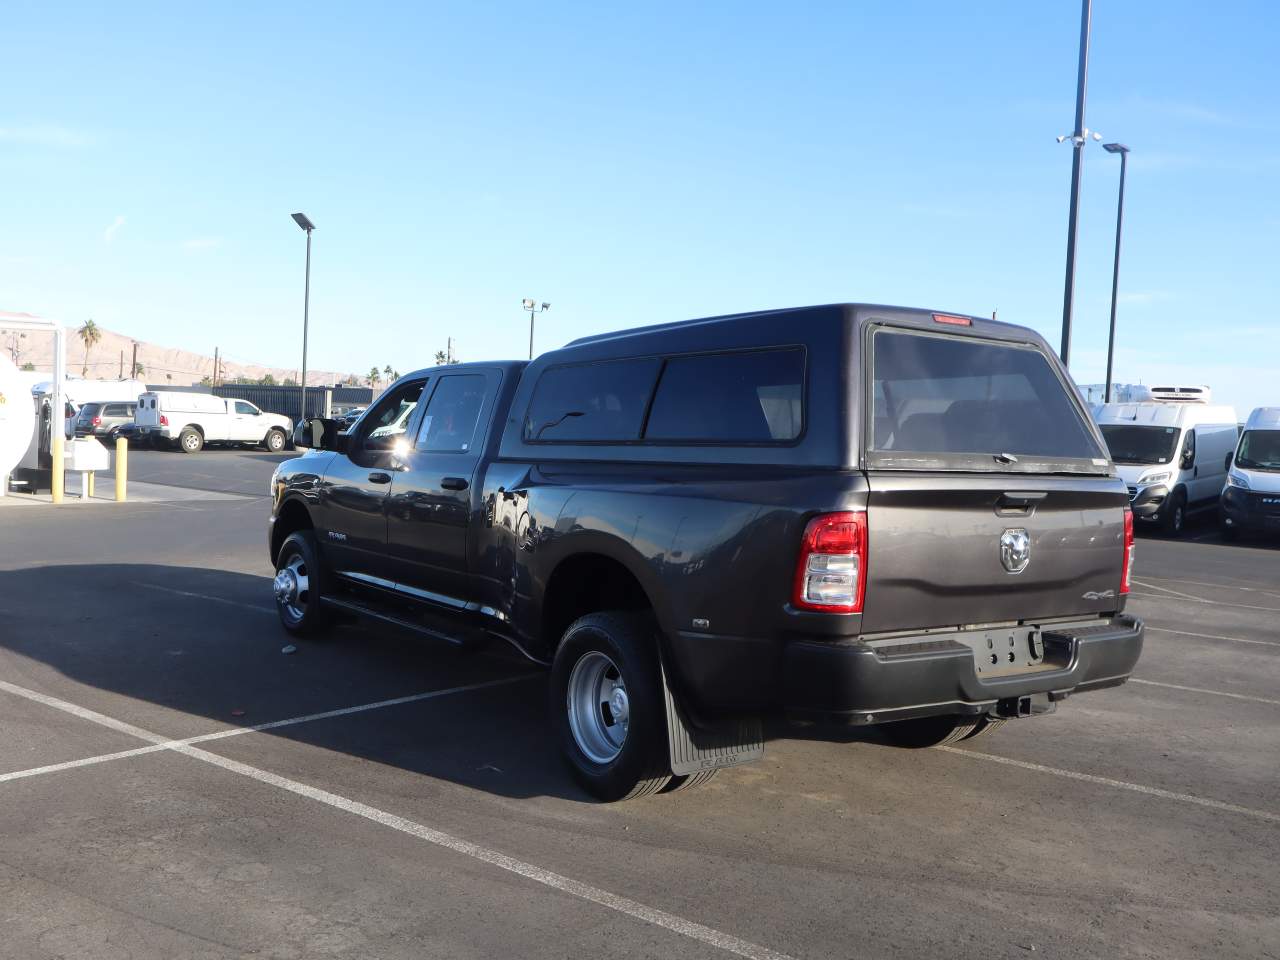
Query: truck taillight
x=831, y=573
x=164, y=421
x=1127, y=575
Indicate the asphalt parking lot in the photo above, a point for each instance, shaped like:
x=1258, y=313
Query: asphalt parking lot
x=173, y=785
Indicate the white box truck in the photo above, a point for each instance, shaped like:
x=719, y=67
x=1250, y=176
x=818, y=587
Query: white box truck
x=189, y=421
x=1251, y=498
x=1172, y=451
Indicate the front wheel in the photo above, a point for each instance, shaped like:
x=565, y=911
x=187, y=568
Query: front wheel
x=607, y=706
x=1175, y=517
x=297, y=585
x=275, y=441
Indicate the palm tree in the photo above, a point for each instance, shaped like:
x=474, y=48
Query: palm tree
x=89, y=335
x=373, y=376
x=388, y=372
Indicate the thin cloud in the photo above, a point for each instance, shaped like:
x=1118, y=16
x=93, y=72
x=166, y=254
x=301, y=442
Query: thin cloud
x=109, y=234
x=44, y=135
x=201, y=243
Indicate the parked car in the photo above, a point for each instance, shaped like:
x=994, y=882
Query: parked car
x=349, y=417
x=133, y=434
x=189, y=421
x=104, y=420
x=1251, y=498
x=865, y=514
x=1172, y=451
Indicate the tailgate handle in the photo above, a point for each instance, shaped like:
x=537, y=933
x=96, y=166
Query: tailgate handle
x=1021, y=503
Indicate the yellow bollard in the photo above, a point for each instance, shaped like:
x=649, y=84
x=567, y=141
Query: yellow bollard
x=88, y=485
x=122, y=467
x=55, y=483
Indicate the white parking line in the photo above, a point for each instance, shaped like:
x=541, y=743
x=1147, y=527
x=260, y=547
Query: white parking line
x=1176, y=593
x=1212, y=636
x=1187, y=598
x=204, y=596
x=575, y=888
x=1216, y=693
x=1205, y=583
x=219, y=734
x=1119, y=784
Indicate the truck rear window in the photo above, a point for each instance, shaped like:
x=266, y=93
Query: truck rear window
x=745, y=397
x=942, y=398
x=591, y=402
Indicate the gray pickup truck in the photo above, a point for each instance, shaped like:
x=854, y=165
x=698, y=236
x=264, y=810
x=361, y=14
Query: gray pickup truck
x=852, y=513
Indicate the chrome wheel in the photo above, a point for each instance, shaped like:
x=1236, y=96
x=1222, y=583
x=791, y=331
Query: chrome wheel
x=599, y=707
x=292, y=587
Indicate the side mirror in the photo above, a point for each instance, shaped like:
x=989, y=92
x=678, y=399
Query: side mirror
x=1230, y=460
x=318, y=434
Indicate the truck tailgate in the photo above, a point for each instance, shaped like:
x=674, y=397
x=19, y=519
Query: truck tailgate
x=935, y=555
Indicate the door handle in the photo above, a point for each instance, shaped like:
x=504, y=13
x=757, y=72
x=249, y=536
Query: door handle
x=379, y=477
x=1021, y=503
x=454, y=483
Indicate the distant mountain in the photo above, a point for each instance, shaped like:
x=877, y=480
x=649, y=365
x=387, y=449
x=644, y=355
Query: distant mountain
x=110, y=358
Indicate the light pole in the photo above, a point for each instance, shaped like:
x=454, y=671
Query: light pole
x=305, y=223
x=533, y=308
x=1121, y=149
x=1078, y=140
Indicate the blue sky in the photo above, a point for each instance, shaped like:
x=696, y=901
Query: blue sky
x=636, y=164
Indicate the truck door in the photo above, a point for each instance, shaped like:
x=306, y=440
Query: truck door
x=246, y=422
x=351, y=521
x=432, y=502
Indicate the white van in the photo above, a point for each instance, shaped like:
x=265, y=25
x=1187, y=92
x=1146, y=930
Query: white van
x=1251, y=499
x=191, y=420
x=1172, y=453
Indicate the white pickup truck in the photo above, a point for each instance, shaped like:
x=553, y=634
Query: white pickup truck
x=191, y=420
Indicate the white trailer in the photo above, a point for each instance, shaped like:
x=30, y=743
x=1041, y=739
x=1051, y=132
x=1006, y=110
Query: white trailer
x=190, y=420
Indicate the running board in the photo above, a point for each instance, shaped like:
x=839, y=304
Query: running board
x=364, y=610
x=727, y=745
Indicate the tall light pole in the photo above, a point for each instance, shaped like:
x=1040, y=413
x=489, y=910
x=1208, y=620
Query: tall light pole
x=305, y=223
x=1121, y=149
x=534, y=309
x=1078, y=140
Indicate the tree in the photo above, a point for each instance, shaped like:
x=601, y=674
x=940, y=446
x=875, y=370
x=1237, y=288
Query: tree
x=388, y=372
x=373, y=376
x=288, y=382
x=137, y=370
x=206, y=381
x=29, y=367
x=89, y=335
x=268, y=380
x=441, y=358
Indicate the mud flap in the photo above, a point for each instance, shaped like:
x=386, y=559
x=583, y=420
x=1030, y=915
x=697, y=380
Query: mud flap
x=692, y=750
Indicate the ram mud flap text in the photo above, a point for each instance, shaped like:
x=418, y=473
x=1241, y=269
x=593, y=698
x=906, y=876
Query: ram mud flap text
x=693, y=749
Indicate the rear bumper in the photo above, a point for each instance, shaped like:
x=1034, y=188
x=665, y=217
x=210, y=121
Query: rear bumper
x=857, y=683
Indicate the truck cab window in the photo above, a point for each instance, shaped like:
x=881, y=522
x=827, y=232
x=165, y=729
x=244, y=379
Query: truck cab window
x=246, y=409
x=449, y=423
x=388, y=421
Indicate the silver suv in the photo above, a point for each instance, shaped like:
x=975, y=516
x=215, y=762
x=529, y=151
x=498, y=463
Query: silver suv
x=104, y=420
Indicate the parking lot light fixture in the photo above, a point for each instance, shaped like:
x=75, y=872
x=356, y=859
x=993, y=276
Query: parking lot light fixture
x=304, y=222
x=534, y=308
x=1121, y=149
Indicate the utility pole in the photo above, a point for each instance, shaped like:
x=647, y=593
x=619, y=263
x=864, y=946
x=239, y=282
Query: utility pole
x=215, y=366
x=133, y=371
x=448, y=357
x=1079, y=138
x=121, y=377
x=1121, y=149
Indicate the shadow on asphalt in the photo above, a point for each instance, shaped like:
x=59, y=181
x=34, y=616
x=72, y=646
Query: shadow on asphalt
x=213, y=659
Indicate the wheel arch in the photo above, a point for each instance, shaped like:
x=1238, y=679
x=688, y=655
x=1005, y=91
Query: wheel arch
x=292, y=517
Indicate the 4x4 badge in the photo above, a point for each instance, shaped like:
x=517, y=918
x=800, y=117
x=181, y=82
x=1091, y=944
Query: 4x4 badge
x=1015, y=550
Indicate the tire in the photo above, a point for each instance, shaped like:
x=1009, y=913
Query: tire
x=986, y=726
x=924, y=732
x=689, y=781
x=298, y=584
x=599, y=652
x=190, y=441
x=275, y=441
x=1174, y=520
